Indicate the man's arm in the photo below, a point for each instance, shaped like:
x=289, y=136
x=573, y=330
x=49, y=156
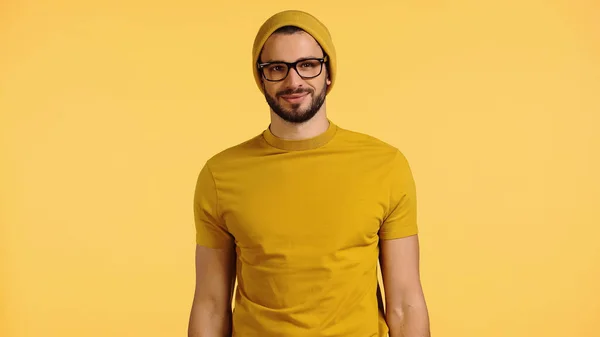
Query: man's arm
x=215, y=279
x=406, y=310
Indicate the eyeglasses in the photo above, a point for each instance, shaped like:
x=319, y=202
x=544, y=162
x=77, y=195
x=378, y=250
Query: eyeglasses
x=306, y=68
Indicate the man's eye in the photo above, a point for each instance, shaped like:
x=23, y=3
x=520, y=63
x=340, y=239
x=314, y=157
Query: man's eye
x=276, y=68
x=309, y=64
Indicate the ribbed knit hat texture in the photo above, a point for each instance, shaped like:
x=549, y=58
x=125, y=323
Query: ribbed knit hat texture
x=300, y=19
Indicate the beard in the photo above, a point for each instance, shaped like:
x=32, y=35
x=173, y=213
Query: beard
x=295, y=114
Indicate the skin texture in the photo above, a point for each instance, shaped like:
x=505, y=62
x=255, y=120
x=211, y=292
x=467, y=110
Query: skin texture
x=215, y=278
x=288, y=46
x=406, y=311
x=295, y=120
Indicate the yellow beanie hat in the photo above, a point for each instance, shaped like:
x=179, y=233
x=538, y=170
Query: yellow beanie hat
x=300, y=19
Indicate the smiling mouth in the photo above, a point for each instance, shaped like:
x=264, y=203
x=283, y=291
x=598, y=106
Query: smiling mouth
x=295, y=98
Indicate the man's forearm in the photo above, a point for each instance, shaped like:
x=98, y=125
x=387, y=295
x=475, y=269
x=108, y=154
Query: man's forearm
x=409, y=320
x=209, y=323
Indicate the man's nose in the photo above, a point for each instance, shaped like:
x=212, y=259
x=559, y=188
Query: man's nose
x=293, y=79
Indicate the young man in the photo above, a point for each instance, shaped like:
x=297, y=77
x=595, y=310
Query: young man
x=302, y=213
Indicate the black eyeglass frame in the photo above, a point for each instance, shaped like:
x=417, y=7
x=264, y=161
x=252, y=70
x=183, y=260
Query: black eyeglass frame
x=323, y=60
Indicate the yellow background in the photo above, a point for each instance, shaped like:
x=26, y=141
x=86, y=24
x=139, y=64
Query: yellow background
x=109, y=109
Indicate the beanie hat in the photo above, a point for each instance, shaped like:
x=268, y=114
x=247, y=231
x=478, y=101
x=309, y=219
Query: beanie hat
x=300, y=19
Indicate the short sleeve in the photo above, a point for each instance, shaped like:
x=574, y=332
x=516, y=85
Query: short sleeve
x=210, y=228
x=401, y=217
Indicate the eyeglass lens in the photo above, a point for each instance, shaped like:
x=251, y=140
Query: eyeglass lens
x=305, y=68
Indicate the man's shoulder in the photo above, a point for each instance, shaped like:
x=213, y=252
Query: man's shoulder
x=352, y=137
x=236, y=152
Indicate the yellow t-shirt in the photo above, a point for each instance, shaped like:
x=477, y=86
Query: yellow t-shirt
x=306, y=217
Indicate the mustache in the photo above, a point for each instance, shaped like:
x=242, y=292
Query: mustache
x=294, y=91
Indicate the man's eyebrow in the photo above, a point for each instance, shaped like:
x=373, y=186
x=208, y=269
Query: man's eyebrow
x=300, y=59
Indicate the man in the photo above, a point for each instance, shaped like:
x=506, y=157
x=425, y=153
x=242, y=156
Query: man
x=302, y=213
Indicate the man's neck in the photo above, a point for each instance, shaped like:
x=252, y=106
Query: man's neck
x=291, y=131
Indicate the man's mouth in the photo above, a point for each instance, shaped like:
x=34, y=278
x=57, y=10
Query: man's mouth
x=295, y=98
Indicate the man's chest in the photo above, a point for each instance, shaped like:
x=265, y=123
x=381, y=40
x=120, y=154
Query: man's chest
x=305, y=212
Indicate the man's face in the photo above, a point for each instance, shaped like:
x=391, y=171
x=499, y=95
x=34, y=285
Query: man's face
x=294, y=99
